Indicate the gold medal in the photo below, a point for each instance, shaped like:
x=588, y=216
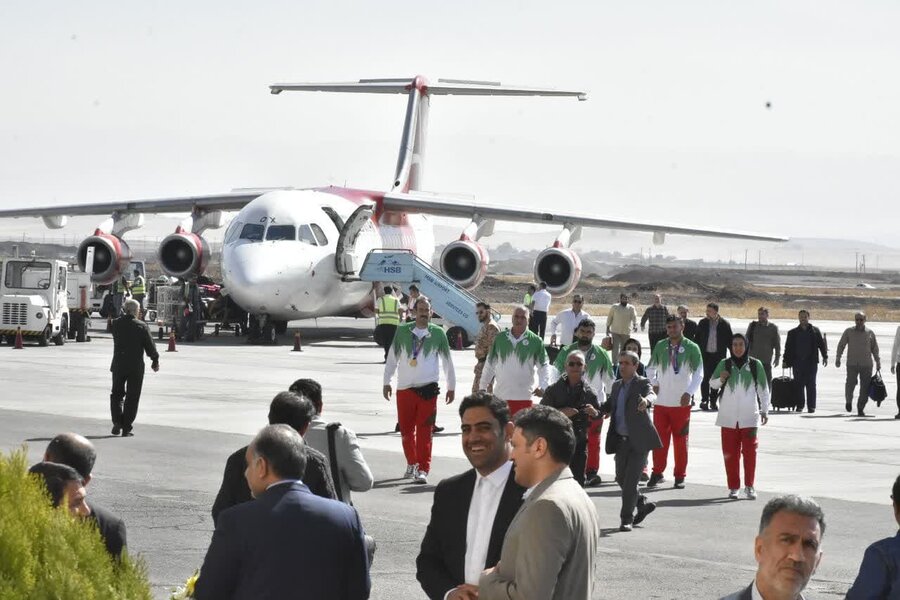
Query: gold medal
x=413, y=362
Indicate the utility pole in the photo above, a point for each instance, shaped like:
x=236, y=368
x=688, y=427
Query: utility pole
x=745, y=258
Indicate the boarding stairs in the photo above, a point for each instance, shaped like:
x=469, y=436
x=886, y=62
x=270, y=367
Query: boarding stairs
x=455, y=305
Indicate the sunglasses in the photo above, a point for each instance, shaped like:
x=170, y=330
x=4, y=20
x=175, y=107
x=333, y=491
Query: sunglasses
x=572, y=363
x=577, y=301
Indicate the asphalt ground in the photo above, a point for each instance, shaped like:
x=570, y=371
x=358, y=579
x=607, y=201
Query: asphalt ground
x=210, y=397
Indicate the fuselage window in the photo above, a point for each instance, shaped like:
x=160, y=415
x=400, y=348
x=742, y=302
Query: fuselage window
x=306, y=235
x=335, y=218
x=320, y=235
x=281, y=232
x=252, y=232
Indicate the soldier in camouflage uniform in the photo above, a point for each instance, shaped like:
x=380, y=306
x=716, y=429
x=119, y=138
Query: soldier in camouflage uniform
x=483, y=342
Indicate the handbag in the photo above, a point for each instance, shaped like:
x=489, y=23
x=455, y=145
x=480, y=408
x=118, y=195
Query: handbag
x=877, y=389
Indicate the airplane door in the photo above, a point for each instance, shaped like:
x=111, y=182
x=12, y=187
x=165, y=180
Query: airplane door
x=356, y=239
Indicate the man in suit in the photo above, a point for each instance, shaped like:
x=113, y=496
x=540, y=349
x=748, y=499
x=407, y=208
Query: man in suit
x=551, y=544
x=79, y=453
x=631, y=437
x=787, y=549
x=287, y=408
x=714, y=338
x=471, y=511
x=353, y=472
x=801, y=354
x=288, y=543
x=131, y=339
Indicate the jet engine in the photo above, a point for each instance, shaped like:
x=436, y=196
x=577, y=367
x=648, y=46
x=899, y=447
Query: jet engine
x=111, y=256
x=183, y=254
x=465, y=262
x=559, y=268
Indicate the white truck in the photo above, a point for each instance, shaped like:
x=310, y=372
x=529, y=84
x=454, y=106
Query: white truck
x=33, y=300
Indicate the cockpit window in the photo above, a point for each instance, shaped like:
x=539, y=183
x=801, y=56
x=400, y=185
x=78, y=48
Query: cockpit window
x=281, y=232
x=306, y=235
x=252, y=232
x=320, y=235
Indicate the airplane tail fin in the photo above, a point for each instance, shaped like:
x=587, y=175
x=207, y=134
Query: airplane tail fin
x=411, y=162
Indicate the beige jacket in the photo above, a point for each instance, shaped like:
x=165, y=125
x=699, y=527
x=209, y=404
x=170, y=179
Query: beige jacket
x=550, y=546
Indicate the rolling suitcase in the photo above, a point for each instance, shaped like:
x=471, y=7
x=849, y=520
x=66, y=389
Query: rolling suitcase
x=785, y=393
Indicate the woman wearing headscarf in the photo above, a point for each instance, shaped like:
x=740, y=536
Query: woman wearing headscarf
x=742, y=380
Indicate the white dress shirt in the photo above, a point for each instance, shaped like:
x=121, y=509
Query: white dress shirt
x=542, y=299
x=568, y=320
x=482, y=510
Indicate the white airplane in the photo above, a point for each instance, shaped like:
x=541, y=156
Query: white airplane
x=292, y=253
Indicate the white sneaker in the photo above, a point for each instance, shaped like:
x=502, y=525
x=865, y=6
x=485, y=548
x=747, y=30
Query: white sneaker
x=733, y=494
x=750, y=493
x=421, y=477
x=411, y=471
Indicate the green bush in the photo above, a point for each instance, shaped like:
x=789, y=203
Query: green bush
x=46, y=554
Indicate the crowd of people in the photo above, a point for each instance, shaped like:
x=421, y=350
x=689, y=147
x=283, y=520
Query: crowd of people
x=519, y=523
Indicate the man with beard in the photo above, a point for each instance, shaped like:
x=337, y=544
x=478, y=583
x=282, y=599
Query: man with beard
x=471, y=511
x=599, y=376
x=620, y=323
x=483, y=342
x=675, y=370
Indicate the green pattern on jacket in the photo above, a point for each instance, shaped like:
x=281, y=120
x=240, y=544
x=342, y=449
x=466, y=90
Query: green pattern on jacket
x=530, y=347
x=435, y=341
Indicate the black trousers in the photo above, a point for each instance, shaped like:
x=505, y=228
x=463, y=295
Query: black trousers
x=126, y=386
x=710, y=360
x=538, y=323
x=579, y=460
x=655, y=338
x=384, y=336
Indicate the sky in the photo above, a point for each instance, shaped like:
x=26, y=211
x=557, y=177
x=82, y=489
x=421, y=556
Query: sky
x=771, y=116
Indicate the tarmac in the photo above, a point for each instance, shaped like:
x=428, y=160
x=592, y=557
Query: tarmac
x=211, y=396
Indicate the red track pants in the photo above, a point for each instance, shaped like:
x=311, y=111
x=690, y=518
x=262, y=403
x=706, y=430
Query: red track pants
x=517, y=405
x=417, y=415
x=593, y=446
x=736, y=442
x=672, y=424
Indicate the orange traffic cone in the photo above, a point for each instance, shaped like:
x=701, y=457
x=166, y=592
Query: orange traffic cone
x=297, y=347
x=19, y=345
x=172, y=342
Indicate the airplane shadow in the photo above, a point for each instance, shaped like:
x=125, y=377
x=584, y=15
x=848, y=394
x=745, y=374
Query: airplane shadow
x=90, y=437
x=811, y=416
x=418, y=489
x=691, y=502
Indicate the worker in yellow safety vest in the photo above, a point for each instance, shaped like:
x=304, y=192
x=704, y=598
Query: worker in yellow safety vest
x=387, y=318
x=138, y=288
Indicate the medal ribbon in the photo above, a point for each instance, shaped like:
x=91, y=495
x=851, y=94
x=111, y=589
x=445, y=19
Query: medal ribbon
x=418, y=344
x=673, y=357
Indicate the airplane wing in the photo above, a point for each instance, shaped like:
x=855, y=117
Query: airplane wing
x=186, y=204
x=465, y=207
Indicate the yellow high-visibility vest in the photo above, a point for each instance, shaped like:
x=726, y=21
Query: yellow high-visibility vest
x=137, y=286
x=388, y=308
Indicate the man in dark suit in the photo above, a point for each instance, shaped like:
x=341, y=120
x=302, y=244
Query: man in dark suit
x=78, y=452
x=471, y=511
x=788, y=549
x=288, y=543
x=631, y=437
x=131, y=339
x=801, y=353
x=714, y=338
x=287, y=408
